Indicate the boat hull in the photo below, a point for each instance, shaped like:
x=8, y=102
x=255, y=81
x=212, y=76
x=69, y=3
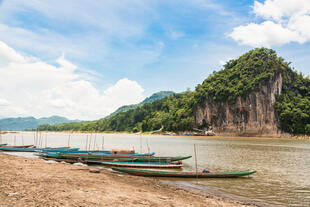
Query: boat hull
x=136, y=164
x=153, y=173
x=60, y=149
x=85, y=152
x=19, y=146
x=14, y=149
x=79, y=160
x=30, y=149
x=106, y=154
x=113, y=157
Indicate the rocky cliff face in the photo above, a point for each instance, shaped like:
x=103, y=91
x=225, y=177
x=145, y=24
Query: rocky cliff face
x=253, y=115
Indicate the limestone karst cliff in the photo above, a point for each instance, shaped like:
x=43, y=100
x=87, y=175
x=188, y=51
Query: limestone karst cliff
x=253, y=115
x=241, y=99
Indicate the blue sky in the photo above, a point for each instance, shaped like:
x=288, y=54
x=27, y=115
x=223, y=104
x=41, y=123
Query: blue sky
x=153, y=45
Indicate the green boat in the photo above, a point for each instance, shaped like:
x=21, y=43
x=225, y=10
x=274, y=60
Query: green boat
x=80, y=160
x=156, y=173
x=112, y=157
x=137, y=164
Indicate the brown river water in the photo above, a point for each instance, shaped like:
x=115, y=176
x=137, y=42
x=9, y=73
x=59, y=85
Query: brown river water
x=282, y=165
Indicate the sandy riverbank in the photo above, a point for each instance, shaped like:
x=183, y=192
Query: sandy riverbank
x=41, y=184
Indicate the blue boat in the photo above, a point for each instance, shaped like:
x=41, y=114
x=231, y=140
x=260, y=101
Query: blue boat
x=60, y=149
x=76, y=153
x=109, y=154
x=90, y=151
x=137, y=164
x=14, y=149
x=33, y=149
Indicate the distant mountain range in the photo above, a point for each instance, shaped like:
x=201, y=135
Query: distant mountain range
x=28, y=123
x=154, y=97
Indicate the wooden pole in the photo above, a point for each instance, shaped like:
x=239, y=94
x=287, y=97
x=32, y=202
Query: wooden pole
x=69, y=140
x=45, y=140
x=196, y=161
x=40, y=140
x=37, y=143
x=94, y=141
x=148, y=148
x=102, y=143
x=158, y=153
x=89, y=141
x=86, y=142
x=34, y=139
x=22, y=140
x=140, y=143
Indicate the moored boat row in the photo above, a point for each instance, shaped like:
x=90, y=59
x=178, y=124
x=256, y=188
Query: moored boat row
x=123, y=161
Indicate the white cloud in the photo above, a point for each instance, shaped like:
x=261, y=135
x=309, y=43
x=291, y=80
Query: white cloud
x=7, y=55
x=286, y=21
x=30, y=87
x=124, y=88
x=3, y=102
x=277, y=9
x=223, y=62
x=266, y=34
x=300, y=24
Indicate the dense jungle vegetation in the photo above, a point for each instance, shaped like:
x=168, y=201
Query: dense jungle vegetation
x=174, y=113
x=238, y=78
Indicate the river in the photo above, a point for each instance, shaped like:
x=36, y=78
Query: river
x=282, y=165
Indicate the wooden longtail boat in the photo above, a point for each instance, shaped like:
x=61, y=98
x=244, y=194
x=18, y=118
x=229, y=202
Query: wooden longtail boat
x=106, y=154
x=90, y=151
x=78, y=160
x=113, y=157
x=55, y=148
x=14, y=149
x=60, y=149
x=19, y=146
x=154, y=173
x=33, y=149
x=137, y=164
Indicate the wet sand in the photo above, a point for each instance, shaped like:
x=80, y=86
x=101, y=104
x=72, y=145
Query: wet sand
x=38, y=183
